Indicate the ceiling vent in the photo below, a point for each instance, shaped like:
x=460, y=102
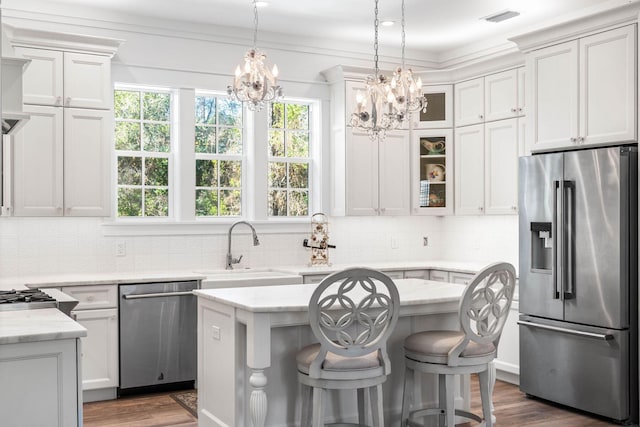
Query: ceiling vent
x=501, y=16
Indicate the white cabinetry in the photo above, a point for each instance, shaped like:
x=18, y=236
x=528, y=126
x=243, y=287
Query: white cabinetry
x=432, y=171
x=460, y=278
x=439, y=112
x=57, y=78
x=487, y=168
x=40, y=384
x=508, y=361
x=377, y=174
x=97, y=311
x=493, y=97
x=583, y=92
x=61, y=163
x=68, y=90
x=439, y=275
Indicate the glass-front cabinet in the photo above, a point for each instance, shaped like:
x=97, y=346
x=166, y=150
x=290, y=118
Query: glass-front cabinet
x=432, y=187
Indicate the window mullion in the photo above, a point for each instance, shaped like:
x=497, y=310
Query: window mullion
x=185, y=197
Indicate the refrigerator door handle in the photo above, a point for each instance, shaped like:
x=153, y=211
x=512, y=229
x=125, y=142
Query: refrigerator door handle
x=557, y=266
x=604, y=337
x=568, y=189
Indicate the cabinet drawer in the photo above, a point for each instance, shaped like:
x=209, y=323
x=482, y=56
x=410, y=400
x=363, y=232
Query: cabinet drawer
x=90, y=297
x=461, y=278
x=313, y=278
x=439, y=275
x=395, y=274
x=416, y=274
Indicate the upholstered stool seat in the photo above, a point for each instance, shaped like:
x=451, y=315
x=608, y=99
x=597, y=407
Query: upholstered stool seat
x=483, y=311
x=351, y=314
x=434, y=347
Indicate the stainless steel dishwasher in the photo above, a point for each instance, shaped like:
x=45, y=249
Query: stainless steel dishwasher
x=157, y=335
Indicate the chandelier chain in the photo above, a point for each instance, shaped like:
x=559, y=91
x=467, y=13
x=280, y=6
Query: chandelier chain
x=403, y=36
x=375, y=42
x=255, y=25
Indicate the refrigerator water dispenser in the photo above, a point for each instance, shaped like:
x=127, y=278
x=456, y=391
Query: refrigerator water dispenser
x=541, y=247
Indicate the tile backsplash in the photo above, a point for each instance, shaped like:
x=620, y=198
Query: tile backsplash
x=40, y=246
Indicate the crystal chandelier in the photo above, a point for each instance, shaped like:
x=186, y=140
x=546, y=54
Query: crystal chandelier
x=254, y=83
x=407, y=91
x=377, y=110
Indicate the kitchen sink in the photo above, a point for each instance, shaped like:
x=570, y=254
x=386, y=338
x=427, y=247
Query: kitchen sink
x=247, y=277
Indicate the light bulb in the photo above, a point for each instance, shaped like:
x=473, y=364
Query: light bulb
x=275, y=71
x=238, y=71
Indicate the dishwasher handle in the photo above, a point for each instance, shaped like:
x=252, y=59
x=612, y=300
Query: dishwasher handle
x=157, y=295
x=604, y=337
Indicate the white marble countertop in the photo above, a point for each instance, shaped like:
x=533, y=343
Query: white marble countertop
x=296, y=297
x=43, y=324
x=460, y=267
x=59, y=280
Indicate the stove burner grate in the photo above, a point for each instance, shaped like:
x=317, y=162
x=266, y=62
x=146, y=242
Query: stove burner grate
x=24, y=295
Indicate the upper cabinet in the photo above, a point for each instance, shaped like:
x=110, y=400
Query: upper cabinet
x=583, y=92
x=432, y=166
x=66, y=79
x=494, y=97
x=439, y=113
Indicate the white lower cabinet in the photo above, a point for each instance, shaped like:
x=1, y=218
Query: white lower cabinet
x=461, y=278
x=97, y=311
x=508, y=361
x=439, y=275
x=99, y=348
x=40, y=384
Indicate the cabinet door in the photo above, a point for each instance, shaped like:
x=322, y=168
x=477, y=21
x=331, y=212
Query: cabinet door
x=87, y=81
x=42, y=79
x=501, y=95
x=501, y=167
x=553, y=96
x=87, y=136
x=508, y=358
x=469, y=102
x=362, y=174
x=439, y=112
x=38, y=163
x=608, y=87
x=522, y=98
x=44, y=373
x=432, y=172
x=99, y=348
x=469, y=146
x=394, y=179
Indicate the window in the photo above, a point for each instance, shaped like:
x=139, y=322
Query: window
x=143, y=151
x=194, y=156
x=289, y=159
x=218, y=156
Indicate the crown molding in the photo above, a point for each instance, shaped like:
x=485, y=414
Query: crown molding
x=36, y=38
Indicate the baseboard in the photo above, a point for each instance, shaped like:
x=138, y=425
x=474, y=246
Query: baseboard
x=99, y=394
x=509, y=377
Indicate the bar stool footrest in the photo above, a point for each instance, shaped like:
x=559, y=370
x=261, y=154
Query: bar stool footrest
x=424, y=412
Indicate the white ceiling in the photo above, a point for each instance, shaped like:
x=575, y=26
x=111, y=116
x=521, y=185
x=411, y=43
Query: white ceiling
x=434, y=26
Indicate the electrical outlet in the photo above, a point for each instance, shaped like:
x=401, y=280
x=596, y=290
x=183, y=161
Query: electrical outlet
x=121, y=248
x=425, y=241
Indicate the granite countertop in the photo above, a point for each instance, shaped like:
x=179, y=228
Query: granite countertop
x=43, y=324
x=296, y=297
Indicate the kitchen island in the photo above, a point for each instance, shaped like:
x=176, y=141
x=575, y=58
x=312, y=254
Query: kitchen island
x=248, y=339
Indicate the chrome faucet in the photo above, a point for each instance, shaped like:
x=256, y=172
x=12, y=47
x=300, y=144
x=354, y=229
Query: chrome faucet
x=230, y=259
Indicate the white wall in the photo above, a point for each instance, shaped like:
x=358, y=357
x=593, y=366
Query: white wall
x=37, y=246
x=197, y=57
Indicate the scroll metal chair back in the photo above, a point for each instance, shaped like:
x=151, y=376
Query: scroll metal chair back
x=352, y=313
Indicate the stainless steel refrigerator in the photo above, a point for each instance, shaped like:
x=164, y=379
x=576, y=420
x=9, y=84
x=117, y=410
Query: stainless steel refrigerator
x=578, y=279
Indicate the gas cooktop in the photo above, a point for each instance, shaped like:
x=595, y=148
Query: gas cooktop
x=26, y=299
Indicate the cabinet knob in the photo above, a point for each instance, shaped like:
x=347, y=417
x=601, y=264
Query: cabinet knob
x=480, y=116
x=383, y=209
x=514, y=208
x=581, y=140
x=480, y=208
x=520, y=109
x=574, y=140
x=513, y=110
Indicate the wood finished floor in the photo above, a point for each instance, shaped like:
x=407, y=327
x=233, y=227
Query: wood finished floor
x=512, y=408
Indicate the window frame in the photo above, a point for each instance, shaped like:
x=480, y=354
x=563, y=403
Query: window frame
x=182, y=218
x=170, y=156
